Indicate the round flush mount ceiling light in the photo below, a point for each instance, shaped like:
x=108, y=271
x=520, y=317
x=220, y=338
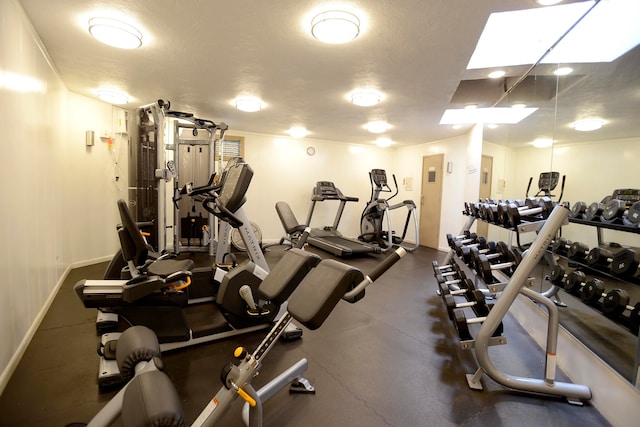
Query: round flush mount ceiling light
x=115, y=33
x=248, y=104
x=377, y=126
x=587, y=125
x=542, y=143
x=335, y=27
x=384, y=142
x=298, y=132
x=112, y=96
x=366, y=98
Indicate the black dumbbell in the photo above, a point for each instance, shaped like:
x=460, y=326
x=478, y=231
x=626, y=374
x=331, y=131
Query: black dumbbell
x=488, y=212
x=625, y=263
x=475, y=298
x=459, y=245
x=592, y=291
x=616, y=302
x=462, y=323
x=467, y=251
x=599, y=257
x=444, y=269
x=503, y=208
x=613, y=211
x=561, y=245
x=450, y=281
x=558, y=276
x=578, y=210
x=501, y=253
x=578, y=251
x=544, y=208
x=467, y=237
x=574, y=281
x=632, y=218
x=465, y=286
x=593, y=211
x=485, y=267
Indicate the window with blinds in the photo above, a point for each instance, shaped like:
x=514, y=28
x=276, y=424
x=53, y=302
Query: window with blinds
x=231, y=146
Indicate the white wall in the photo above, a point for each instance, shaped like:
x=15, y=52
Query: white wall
x=57, y=195
x=456, y=150
x=283, y=171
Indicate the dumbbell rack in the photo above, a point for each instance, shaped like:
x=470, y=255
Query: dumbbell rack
x=516, y=285
x=599, y=226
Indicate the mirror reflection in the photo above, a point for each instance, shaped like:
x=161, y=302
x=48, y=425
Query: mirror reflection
x=585, y=128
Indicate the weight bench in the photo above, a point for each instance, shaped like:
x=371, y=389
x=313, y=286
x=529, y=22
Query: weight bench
x=293, y=229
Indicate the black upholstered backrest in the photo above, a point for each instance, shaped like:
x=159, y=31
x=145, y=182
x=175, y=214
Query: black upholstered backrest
x=288, y=219
x=318, y=294
x=287, y=274
x=134, y=248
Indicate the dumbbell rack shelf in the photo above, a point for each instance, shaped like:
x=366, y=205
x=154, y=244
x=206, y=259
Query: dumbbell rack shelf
x=635, y=281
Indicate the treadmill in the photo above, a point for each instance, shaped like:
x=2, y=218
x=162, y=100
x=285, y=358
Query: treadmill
x=329, y=238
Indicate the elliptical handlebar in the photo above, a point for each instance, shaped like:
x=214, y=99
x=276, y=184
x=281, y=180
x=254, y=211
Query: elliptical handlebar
x=220, y=211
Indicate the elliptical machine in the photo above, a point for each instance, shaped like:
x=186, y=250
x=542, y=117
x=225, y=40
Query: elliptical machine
x=372, y=220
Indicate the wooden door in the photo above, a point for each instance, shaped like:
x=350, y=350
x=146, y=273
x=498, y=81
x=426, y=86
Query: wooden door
x=431, y=200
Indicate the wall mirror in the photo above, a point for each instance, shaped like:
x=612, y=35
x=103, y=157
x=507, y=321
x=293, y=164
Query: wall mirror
x=595, y=162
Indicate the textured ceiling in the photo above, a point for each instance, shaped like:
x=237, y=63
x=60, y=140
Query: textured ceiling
x=201, y=54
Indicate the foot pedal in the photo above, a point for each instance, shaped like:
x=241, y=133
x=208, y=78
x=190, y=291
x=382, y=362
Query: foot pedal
x=291, y=333
x=106, y=322
x=302, y=385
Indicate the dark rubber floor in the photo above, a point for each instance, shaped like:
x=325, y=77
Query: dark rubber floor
x=392, y=359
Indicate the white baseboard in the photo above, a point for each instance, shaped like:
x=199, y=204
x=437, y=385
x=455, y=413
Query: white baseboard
x=17, y=356
x=26, y=340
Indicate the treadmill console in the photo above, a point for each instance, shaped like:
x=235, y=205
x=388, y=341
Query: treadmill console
x=326, y=190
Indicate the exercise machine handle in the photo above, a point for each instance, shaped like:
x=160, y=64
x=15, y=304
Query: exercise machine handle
x=386, y=264
x=375, y=274
x=222, y=212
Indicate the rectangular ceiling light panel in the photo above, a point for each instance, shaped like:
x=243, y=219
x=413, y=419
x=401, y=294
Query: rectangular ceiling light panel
x=495, y=115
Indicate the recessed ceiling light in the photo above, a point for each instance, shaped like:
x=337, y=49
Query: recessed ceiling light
x=366, y=98
x=518, y=105
x=470, y=107
x=587, y=125
x=335, y=26
x=248, y=104
x=112, y=96
x=377, y=126
x=457, y=126
x=563, y=71
x=497, y=115
x=542, y=143
x=298, y=132
x=492, y=126
x=496, y=74
x=115, y=33
x=384, y=142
